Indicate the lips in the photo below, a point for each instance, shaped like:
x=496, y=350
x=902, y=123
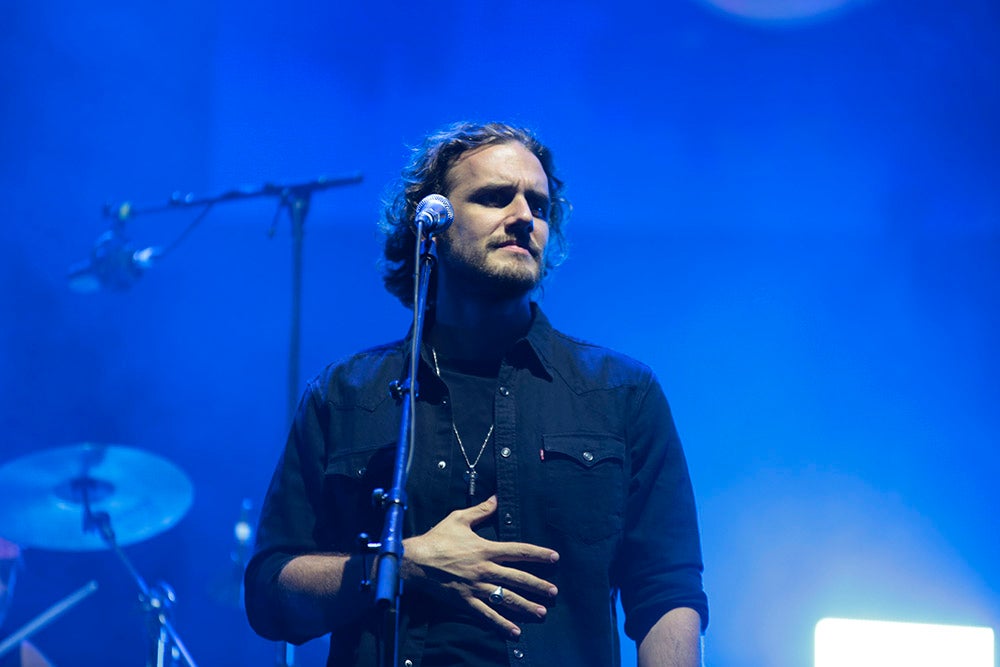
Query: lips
x=525, y=247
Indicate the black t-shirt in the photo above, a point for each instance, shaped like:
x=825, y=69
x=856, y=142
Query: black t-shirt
x=468, y=640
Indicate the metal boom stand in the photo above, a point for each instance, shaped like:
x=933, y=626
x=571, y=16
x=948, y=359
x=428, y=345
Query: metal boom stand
x=296, y=199
x=388, y=584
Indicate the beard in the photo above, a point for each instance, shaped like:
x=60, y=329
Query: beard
x=484, y=271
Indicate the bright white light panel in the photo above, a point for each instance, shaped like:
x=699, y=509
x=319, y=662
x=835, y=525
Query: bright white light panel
x=842, y=642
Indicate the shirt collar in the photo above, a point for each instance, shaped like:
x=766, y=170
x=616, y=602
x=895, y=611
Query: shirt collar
x=533, y=350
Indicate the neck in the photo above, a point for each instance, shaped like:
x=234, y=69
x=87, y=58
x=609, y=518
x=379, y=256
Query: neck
x=469, y=329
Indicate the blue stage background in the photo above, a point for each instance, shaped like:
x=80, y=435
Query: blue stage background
x=795, y=222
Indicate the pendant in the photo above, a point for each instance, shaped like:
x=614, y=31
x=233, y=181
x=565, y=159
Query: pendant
x=471, y=475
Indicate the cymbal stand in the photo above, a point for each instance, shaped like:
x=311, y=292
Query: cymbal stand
x=43, y=620
x=165, y=646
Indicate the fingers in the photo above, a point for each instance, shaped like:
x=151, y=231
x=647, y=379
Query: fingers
x=509, y=552
x=503, y=552
x=506, y=626
x=499, y=604
x=505, y=601
x=513, y=579
x=455, y=563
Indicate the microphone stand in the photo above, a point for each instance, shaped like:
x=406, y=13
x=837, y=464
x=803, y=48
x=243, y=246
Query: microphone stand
x=296, y=199
x=126, y=210
x=388, y=585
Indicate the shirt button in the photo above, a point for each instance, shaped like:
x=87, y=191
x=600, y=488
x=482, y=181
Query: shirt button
x=361, y=472
x=505, y=452
x=444, y=400
x=407, y=663
x=588, y=456
x=508, y=519
x=518, y=653
x=504, y=391
x=442, y=465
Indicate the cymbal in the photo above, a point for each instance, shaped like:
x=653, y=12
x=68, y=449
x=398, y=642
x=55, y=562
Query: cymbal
x=44, y=493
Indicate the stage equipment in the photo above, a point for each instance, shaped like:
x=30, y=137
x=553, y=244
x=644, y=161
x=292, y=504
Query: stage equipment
x=848, y=642
x=46, y=617
x=91, y=496
x=433, y=215
x=115, y=264
x=48, y=495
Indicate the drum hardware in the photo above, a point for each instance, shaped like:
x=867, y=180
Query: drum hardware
x=90, y=496
x=115, y=264
x=46, y=617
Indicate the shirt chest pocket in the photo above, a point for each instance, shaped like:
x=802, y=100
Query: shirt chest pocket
x=348, y=482
x=584, y=484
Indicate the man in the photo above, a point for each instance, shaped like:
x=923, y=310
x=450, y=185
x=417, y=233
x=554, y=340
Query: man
x=547, y=474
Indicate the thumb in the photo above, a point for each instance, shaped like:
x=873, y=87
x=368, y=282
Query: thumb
x=477, y=514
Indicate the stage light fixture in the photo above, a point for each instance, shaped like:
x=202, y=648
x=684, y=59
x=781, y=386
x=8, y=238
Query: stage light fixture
x=782, y=11
x=843, y=642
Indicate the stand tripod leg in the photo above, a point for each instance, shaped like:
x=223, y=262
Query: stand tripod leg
x=46, y=617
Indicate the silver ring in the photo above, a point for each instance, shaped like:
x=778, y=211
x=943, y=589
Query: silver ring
x=496, y=597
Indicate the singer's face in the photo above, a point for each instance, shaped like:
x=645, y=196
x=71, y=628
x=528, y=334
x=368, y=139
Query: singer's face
x=496, y=244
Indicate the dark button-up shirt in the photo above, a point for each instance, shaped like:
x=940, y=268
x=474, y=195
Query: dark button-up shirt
x=587, y=462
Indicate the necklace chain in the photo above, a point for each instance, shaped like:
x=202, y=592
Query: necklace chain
x=471, y=472
x=472, y=465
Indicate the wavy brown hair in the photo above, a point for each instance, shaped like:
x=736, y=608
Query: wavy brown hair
x=425, y=174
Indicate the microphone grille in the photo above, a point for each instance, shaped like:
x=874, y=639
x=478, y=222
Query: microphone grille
x=435, y=212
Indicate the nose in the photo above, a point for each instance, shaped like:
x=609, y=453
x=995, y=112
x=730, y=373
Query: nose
x=523, y=218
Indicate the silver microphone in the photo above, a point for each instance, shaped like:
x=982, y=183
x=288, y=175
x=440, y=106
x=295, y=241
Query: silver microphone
x=114, y=264
x=435, y=213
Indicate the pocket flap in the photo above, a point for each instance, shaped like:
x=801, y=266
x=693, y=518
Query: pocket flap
x=587, y=449
x=357, y=462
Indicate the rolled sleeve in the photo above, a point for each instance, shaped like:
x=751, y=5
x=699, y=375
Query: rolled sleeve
x=288, y=522
x=659, y=567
